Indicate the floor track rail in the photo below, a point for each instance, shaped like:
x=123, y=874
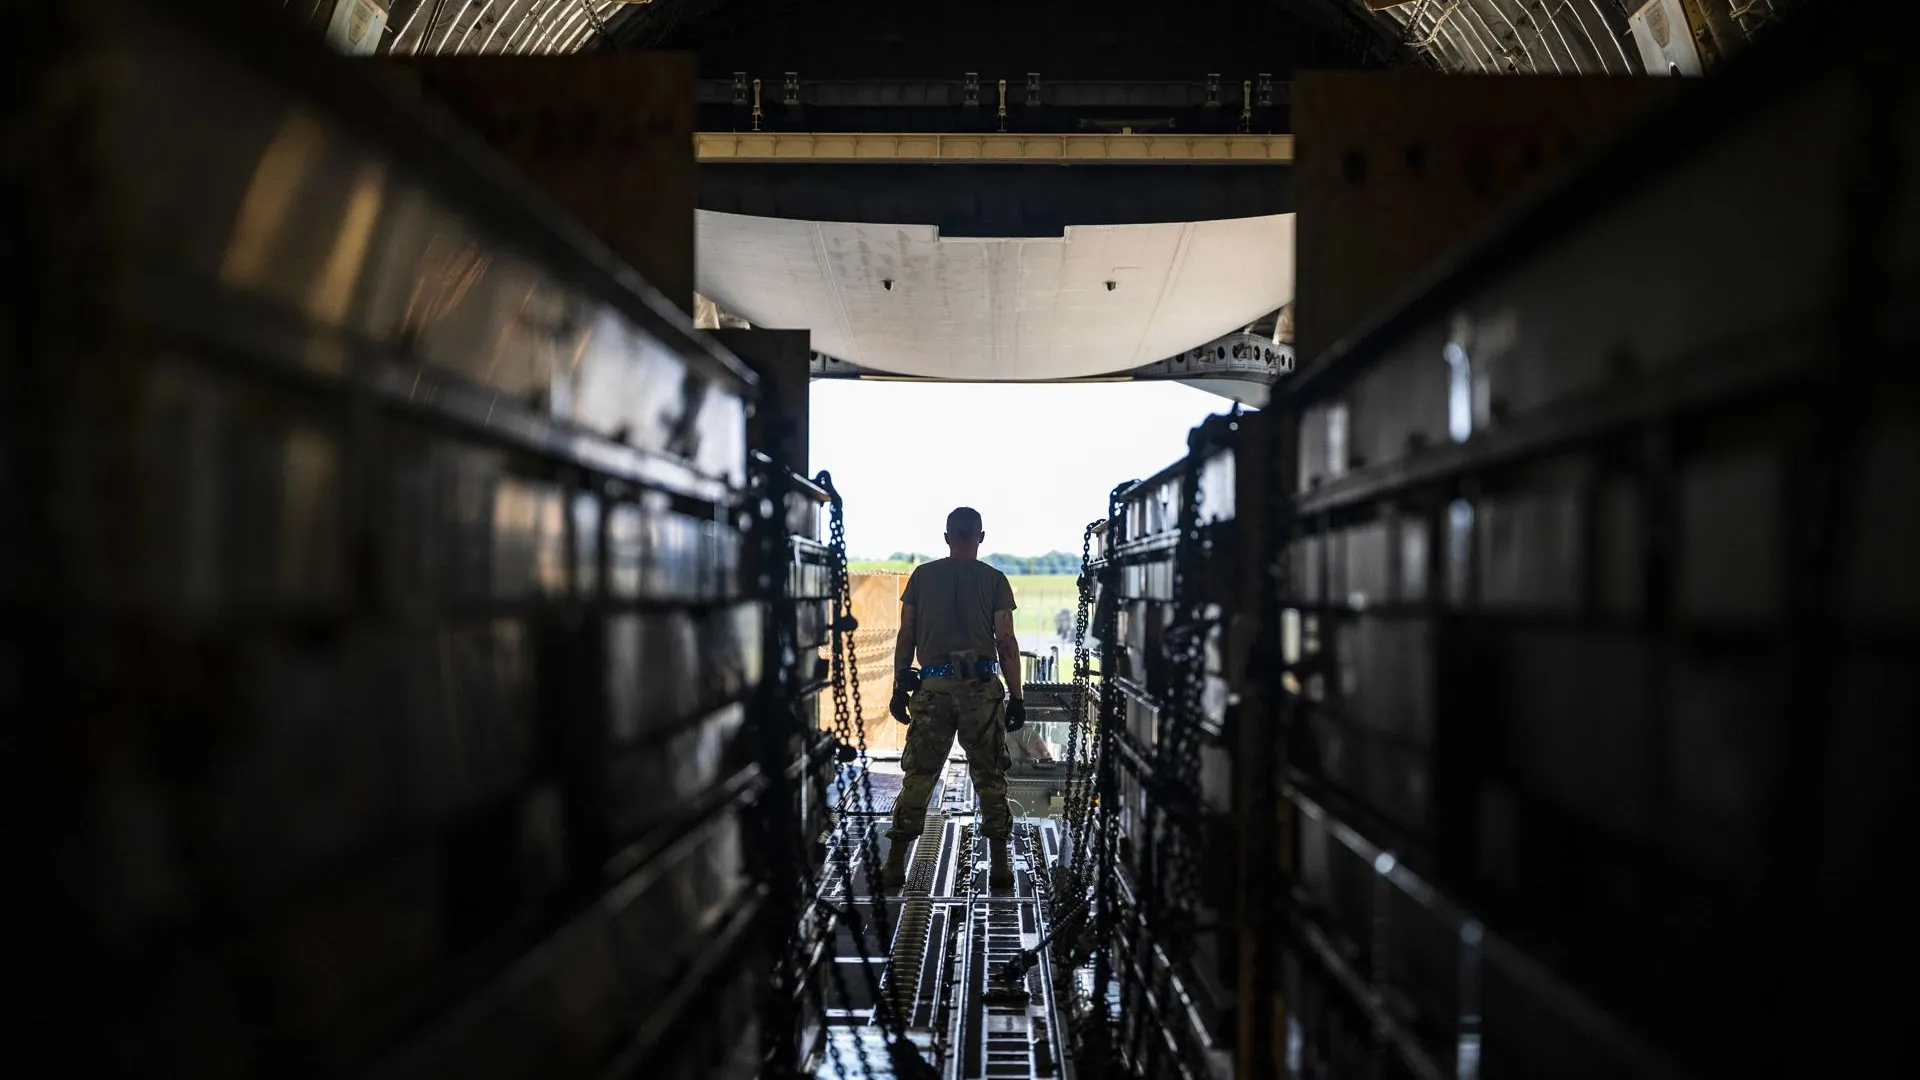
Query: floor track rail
x=945, y=967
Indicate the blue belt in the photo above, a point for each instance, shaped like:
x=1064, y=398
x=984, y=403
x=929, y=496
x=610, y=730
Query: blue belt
x=945, y=671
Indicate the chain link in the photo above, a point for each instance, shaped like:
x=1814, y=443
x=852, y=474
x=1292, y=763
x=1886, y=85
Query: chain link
x=1184, y=734
x=817, y=916
x=792, y=880
x=1081, y=734
x=850, y=728
x=1097, y=1053
x=819, y=923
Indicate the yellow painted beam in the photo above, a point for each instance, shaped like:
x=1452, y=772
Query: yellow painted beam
x=836, y=148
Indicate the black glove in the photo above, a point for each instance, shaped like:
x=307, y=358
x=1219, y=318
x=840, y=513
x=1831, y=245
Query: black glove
x=1016, y=714
x=898, y=706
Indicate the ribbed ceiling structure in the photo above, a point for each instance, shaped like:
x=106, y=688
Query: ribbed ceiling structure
x=428, y=27
x=1493, y=36
x=1561, y=37
x=1550, y=37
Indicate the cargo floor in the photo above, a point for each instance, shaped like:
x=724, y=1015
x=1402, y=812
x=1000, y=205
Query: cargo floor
x=952, y=938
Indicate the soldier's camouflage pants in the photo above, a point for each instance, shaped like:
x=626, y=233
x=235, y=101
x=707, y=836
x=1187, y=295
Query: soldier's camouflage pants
x=941, y=709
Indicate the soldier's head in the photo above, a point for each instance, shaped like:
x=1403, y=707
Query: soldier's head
x=964, y=533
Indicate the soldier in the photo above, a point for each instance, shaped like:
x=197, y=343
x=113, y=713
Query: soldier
x=1025, y=746
x=956, y=615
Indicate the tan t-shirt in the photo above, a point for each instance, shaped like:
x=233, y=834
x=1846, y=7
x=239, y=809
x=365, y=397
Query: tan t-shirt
x=953, y=605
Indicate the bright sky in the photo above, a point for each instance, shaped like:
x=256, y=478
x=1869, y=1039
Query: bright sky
x=1036, y=461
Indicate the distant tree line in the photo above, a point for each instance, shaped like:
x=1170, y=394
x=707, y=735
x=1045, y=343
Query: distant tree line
x=1053, y=562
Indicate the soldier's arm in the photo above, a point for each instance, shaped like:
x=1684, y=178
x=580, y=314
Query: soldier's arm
x=903, y=641
x=1009, y=649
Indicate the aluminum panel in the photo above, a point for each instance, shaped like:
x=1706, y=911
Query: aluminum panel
x=1733, y=543
x=1531, y=550
x=712, y=657
x=1386, y=675
x=1582, y=725
x=235, y=497
x=343, y=229
x=570, y=1006
x=1367, y=575
x=652, y=779
x=1880, y=583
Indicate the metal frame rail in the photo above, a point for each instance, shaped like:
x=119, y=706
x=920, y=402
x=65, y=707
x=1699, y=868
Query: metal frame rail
x=1595, y=584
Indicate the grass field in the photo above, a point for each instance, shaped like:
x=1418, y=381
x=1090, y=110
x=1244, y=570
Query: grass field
x=896, y=566
x=1038, y=596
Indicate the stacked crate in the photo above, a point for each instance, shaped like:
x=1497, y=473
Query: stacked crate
x=1596, y=600
x=382, y=675
x=1137, y=563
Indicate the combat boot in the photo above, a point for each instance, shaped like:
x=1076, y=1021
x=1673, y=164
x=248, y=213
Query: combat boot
x=1000, y=873
x=893, y=872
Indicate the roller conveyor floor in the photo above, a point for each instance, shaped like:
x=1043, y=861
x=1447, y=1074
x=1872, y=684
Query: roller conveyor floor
x=952, y=940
